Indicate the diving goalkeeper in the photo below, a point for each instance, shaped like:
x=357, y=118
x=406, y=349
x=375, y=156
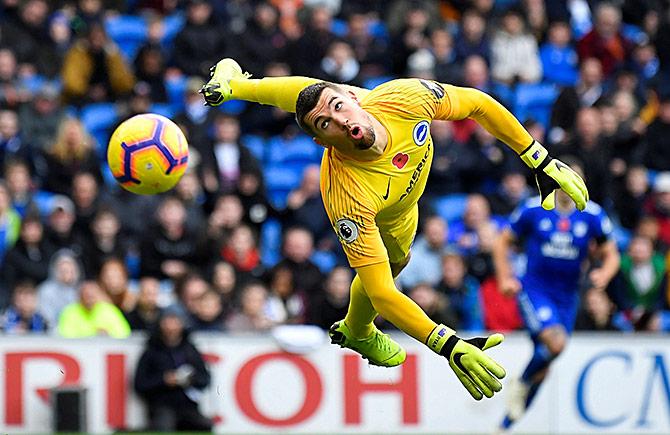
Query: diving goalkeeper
x=377, y=159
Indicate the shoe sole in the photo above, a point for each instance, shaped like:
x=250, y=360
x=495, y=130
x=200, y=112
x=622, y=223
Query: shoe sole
x=338, y=337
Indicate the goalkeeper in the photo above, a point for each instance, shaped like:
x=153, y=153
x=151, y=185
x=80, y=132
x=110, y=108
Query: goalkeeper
x=377, y=159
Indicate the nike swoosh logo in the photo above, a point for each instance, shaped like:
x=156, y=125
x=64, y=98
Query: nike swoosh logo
x=388, y=189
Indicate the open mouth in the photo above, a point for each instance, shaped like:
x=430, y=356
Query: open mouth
x=356, y=133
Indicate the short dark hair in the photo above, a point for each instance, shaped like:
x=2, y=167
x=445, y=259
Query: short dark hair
x=307, y=99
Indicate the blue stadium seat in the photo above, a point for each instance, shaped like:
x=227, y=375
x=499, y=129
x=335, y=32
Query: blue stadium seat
x=43, y=201
x=324, y=260
x=256, y=145
x=300, y=149
x=281, y=177
x=373, y=82
x=175, y=87
x=270, y=242
x=128, y=31
x=535, y=101
x=172, y=26
x=450, y=207
x=167, y=110
x=339, y=27
x=233, y=107
x=99, y=116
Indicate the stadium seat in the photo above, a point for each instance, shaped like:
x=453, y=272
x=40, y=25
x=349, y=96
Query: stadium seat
x=175, y=87
x=256, y=145
x=280, y=180
x=324, y=260
x=99, y=116
x=534, y=101
x=128, y=32
x=172, y=26
x=233, y=107
x=339, y=27
x=450, y=207
x=270, y=242
x=373, y=82
x=167, y=110
x=300, y=149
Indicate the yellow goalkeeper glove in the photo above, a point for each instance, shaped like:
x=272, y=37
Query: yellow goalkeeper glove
x=477, y=372
x=217, y=90
x=552, y=174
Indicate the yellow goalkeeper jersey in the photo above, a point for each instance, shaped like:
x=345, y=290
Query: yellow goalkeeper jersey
x=366, y=199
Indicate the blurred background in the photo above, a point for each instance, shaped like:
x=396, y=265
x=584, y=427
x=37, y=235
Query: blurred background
x=95, y=282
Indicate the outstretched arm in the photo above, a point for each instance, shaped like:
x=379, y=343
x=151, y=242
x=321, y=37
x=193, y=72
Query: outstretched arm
x=228, y=82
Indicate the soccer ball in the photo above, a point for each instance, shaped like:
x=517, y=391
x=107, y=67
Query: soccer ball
x=147, y=154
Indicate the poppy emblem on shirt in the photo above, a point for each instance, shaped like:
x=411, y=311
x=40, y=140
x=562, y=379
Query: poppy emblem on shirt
x=420, y=133
x=400, y=160
x=563, y=225
x=347, y=230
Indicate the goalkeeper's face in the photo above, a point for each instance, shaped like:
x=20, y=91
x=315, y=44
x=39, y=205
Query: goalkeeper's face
x=338, y=120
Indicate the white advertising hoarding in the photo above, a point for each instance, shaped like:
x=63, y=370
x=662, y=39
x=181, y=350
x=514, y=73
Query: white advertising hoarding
x=618, y=384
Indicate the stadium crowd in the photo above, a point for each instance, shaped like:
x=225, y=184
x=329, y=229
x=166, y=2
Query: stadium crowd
x=243, y=242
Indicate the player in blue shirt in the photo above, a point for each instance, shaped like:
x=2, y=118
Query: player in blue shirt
x=557, y=243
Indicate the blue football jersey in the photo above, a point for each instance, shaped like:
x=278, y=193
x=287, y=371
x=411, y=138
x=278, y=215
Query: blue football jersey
x=556, y=244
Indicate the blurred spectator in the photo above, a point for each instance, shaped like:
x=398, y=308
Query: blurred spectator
x=60, y=231
x=596, y=312
x=411, y=36
x=144, y=316
x=304, y=207
x=558, y=56
x=461, y=291
x=12, y=91
x=12, y=143
x=224, y=283
x=73, y=150
x=339, y=65
x=483, y=159
x=434, y=304
x=20, y=187
x=23, y=315
x=139, y=101
x=190, y=192
x=29, y=258
x=605, y=41
x=114, y=282
x=297, y=249
x=170, y=377
x=331, y=304
x=642, y=282
x=472, y=39
x=285, y=304
x=195, y=116
x=88, y=12
x=170, y=249
x=586, y=93
x=252, y=194
x=241, y=251
x=445, y=172
x=60, y=32
x=227, y=158
x=190, y=290
x=94, y=69
x=41, y=118
x=28, y=37
x=226, y=216
x=442, y=48
x=631, y=196
x=105, y=241
x=514, y=52
x=306, y=52
x=536, y=15
x=371, y=51
x=201, y=42
x=60, y=288
x=594, y=151
x=426, y=257
x=150, y=69
x=262, y=41
x=657, y=153
x=512, y=191
x=252, y=314
x=266, y=120
x=209, y=315
x=92, y=316
x=10, y=222
x=464, y=233
x=86, y=198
